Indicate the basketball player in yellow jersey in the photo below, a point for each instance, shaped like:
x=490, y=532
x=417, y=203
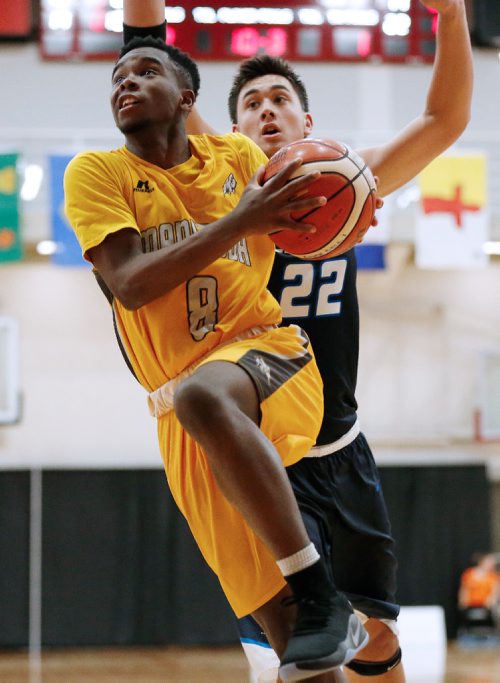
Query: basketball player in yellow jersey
x=268, y=102
x=177, y=231
x=223, y=299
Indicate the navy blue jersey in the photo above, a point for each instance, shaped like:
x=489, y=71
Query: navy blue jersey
x=321, y=297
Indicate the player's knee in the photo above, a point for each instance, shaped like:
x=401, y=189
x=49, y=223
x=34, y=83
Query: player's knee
x=383, y=635
x=382, y=653
x=195, y=402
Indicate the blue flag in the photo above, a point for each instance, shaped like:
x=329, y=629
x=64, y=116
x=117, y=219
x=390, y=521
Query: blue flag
x=68, y=251
x=370, y=256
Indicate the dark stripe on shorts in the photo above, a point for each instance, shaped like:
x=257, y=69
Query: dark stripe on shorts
x=270, y=371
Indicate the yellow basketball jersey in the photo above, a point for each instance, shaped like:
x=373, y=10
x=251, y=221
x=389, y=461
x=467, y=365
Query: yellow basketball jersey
x=108, y=191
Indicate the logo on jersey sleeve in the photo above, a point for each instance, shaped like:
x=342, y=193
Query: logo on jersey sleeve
x=143, y=186
x=229, y=186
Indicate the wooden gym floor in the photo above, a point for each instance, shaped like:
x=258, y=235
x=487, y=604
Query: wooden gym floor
x=193, y=665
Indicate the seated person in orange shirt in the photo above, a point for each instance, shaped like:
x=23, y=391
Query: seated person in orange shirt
x=479, y=592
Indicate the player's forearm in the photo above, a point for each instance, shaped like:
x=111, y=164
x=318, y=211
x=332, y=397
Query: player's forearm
x=143, y=12
x=450, y=92
x=146, y=276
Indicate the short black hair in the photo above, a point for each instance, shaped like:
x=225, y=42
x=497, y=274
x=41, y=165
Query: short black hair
x=184, y=65
x=262, y=65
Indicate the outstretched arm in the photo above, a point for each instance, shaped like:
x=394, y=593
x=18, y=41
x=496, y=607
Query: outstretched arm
x=447, y=110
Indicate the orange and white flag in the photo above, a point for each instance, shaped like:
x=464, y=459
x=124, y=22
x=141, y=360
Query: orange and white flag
x=452, y=220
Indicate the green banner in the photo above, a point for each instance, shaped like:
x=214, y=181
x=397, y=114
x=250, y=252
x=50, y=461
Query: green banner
x=10, y=236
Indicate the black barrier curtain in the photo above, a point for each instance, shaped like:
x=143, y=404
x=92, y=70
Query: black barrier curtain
x=440, y=516
x=14, y=557
x=120, y=566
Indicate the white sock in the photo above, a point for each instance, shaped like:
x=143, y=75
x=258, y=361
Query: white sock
x=299, y=560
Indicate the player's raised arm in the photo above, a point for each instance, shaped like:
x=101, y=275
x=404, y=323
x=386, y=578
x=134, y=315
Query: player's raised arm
x=447, y=109
x=147, y=17
x=143, y=17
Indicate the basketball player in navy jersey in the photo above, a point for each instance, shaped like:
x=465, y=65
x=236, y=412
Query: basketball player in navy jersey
x=338, y=487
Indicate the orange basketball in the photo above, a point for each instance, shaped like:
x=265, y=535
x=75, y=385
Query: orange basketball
x=346, y=182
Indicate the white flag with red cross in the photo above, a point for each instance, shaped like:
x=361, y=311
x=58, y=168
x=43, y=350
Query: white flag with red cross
x=452, y=220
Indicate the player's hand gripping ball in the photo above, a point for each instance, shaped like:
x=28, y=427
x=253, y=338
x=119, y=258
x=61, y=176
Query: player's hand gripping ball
x=350, y=189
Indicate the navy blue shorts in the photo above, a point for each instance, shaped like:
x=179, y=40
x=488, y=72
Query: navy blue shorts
x=343, y=507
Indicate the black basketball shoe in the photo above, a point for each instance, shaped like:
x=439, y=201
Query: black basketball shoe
x=327, y=634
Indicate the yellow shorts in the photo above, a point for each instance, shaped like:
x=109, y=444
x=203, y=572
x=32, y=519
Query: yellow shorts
x=282, y=365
